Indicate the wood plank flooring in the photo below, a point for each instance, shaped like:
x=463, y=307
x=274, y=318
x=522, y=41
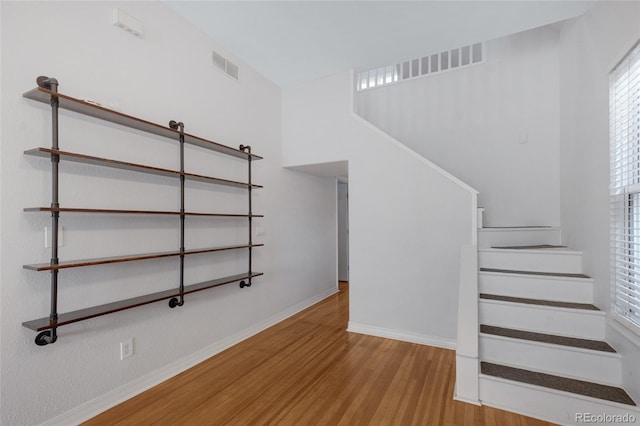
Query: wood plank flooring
x=307, y=370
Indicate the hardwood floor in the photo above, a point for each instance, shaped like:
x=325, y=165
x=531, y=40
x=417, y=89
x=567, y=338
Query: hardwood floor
x=307, y=370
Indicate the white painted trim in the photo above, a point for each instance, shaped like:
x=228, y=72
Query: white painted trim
x=468, y=307
x=112, y=398
x=467, y=385
x=480, y=217
x=404, y=336
x=625, y=332
x=468, y=401
x=475, y=220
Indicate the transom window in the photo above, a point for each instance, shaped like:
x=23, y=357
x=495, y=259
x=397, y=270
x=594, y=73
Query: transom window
x=427, y=65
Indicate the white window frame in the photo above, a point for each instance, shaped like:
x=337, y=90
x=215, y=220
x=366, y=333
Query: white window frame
x=624, y=189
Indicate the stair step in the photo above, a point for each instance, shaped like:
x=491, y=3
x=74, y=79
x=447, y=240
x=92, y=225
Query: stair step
x=539, y=259
x=545, y=274
x=549, y=287
x=518, y=235
x=518, y=227
x=533, y=247
x=553, y=318
x=580, y=387
x=578, y=358
x=595, y=345
x=540, y=302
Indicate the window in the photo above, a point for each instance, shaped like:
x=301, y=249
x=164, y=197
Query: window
x=426, y=65
x=624, y=135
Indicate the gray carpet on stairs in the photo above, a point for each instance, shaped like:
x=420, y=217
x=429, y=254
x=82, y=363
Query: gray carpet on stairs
x=580, y=387
x=534, y=247
x=574, y=342
x=539, y=302
x=544, y=274
x=518, y=227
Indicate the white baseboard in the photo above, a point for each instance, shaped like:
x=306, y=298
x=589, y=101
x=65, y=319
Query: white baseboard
x=465, y=400
x=112, y=398
x=404, y=336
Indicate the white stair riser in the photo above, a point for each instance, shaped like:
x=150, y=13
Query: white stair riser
x=578, y=290
x=592, y=366
x=553, y=406
x=531, y=260
x=518, y=237
x=560, y=321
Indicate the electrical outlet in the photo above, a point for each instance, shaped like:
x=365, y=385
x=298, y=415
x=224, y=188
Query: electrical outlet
x=48, y=238
x=126, y=349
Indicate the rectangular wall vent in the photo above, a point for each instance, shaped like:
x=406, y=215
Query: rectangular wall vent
x=224, y=65
x=128, y=23
x=219, y=62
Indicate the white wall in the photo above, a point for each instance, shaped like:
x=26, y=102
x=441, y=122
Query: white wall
x=469, y=121
x=167, y=75
x=590, y=47
x=407, y=219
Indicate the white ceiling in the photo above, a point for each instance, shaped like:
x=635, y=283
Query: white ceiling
x=294, y=41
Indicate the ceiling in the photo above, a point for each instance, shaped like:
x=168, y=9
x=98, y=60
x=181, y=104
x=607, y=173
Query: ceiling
x=290, y=42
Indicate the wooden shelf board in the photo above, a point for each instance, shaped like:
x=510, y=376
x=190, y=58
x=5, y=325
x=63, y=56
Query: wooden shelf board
x=141, y=212
x=95, y=311
x=130, y=258
x=105, y=162
x=77, y=105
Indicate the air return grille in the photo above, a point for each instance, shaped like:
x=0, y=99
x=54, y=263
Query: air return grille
x=224, y=65
x=431, y=64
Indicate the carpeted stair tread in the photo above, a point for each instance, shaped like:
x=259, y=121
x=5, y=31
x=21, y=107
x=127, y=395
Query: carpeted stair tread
x=539, y=302
x=518, y=227
x=580, y=387
x=544, y=274
x=574, y=342
x=534, y=247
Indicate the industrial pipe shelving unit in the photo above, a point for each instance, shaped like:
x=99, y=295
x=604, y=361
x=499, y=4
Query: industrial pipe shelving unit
x=47, y=92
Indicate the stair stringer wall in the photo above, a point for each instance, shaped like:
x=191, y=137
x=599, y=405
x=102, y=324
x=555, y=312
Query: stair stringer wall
x=408, y=218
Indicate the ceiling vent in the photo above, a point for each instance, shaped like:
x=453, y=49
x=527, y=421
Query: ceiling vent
x=224, y=65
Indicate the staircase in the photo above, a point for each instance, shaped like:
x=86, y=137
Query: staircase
x=542, y=342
